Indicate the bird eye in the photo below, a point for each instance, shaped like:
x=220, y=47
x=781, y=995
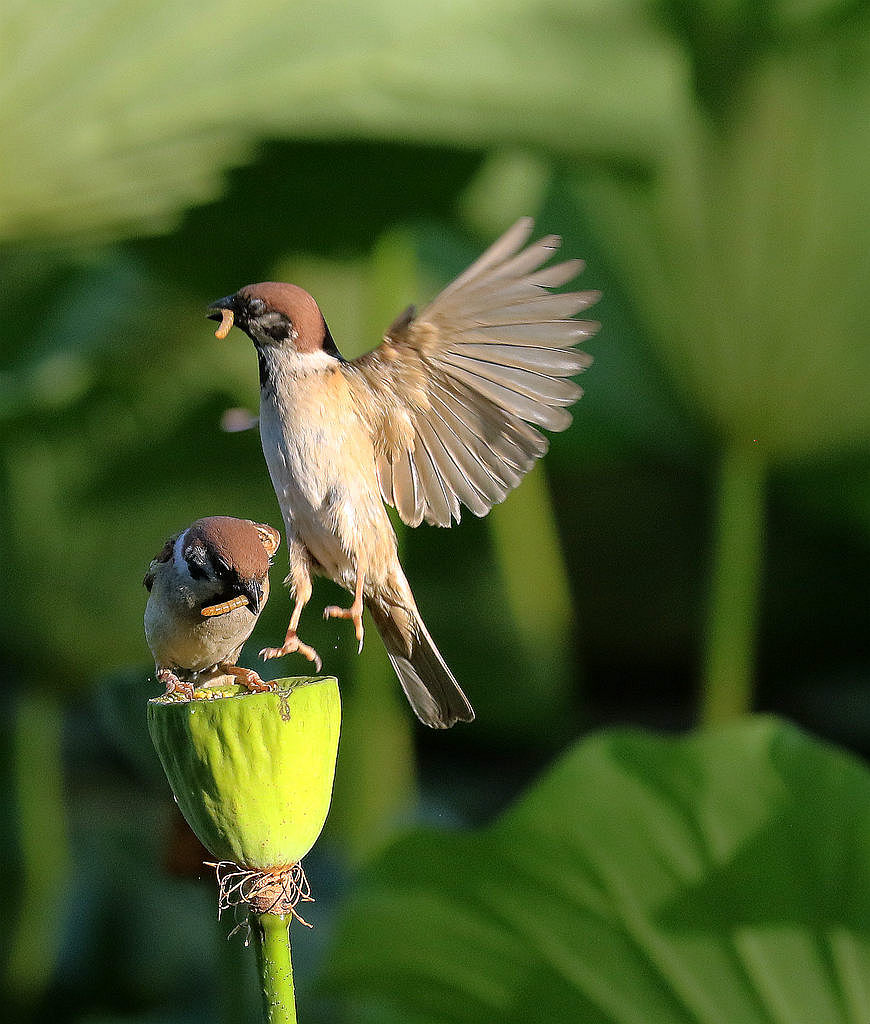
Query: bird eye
x=257, y=307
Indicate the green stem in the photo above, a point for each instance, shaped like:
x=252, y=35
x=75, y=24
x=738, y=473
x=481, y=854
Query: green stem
x=272, y=942
x=732, y=623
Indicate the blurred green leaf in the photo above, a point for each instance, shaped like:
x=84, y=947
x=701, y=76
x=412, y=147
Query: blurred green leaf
x=116, y=116
x=747, y=257
x=719, y=878
x=726, y=39
x=748, y=254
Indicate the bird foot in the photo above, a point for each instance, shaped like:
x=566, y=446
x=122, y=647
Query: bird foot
x=174, y=685
x=247, y=677
x=354, y=613
x=292, y=643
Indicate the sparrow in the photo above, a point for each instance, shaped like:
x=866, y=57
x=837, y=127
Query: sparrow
x=445, y=412
x=207, y=587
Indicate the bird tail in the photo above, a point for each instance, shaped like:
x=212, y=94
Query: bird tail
x=429, y=685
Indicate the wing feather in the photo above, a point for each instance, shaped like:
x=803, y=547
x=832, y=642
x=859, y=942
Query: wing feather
x=559, y=334
x=437, y=509
x=556, y=361
x=384, y=469
x=508, y=450
x=450, y=484
x=455, y=394
x=482, y=467
x=512, y=240
x=513, y=401
x=406, y=488
x=533, y=310
x=539, y=387
x=558, y=274
x=529, y=259
x=474, y=485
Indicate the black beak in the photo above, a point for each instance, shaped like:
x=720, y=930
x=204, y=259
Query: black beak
x=253, y=591
x=215, y=310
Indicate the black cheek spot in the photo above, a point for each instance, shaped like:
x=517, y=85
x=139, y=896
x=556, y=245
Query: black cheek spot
x=279, y=331
x=274, y=325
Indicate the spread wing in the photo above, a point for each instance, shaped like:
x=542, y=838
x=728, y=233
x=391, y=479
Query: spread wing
x=455, y=395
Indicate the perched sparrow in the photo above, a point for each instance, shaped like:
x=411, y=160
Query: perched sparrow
x=207, y=588
x=442, y=414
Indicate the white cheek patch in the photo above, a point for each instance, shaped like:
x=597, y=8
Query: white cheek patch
x=179, y=562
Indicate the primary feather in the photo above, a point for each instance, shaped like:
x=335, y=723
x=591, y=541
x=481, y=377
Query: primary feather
x=455, y=394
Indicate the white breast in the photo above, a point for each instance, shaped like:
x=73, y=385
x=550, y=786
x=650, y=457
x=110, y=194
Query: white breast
x=306, y=431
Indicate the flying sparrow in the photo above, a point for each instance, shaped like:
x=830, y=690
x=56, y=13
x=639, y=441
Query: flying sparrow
x=443, y=413
x=207, y=588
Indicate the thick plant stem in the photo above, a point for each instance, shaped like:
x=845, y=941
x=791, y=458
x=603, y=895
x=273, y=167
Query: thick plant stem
x=272, y=942
x=732, y=623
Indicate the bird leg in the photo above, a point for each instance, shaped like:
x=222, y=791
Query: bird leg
x=354, y=613
x=247, y=677
x=292, y=642
x=173, y=684
x=302, y=588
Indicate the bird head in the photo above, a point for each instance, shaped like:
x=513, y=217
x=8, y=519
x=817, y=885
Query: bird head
x=275, y=315
x=232, y=553
x=218, y=559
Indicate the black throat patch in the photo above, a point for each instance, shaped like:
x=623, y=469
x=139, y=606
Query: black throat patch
x=329, y=345
x=266, y=364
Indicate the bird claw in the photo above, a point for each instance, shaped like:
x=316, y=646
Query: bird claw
x=248, y=678
x=354, y=613
x=174, y=685
x=292, y=644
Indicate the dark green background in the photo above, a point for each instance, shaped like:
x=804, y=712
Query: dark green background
x=708, y=160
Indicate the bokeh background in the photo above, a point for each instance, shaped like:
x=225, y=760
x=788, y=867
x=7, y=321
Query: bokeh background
x=694, y=548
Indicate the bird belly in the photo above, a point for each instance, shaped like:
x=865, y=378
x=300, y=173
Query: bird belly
x=188, y=643
x=322, y=466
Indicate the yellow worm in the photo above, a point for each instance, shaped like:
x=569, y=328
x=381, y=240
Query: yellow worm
x=226, y=324
x=226, y=606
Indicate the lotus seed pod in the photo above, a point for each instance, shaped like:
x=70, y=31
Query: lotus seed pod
x=252, y=772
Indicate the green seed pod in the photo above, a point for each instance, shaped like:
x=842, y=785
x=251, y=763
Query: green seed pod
x=252, y=772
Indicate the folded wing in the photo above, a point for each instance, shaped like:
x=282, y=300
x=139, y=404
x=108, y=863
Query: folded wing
x=455, y=396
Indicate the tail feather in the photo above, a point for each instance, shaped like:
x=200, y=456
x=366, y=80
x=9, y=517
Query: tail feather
x=429, y=685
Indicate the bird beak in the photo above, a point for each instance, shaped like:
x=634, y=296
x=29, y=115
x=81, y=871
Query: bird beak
x=215, y=310
x=253, y=591
x=222, y=310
